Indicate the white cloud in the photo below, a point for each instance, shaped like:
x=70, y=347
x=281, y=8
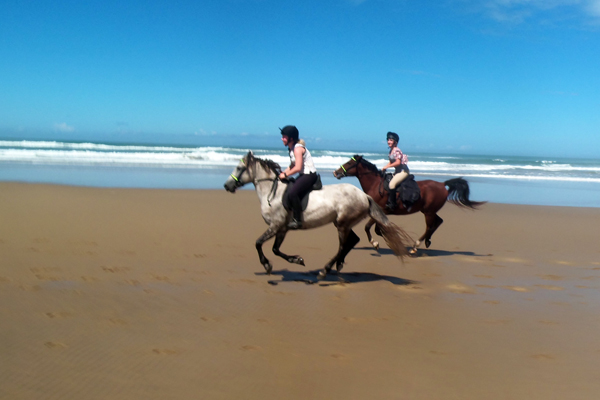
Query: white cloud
x=63, y=127
x=517, y=11
x=593, y=7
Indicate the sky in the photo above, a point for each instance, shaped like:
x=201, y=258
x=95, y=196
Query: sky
x=512, y=77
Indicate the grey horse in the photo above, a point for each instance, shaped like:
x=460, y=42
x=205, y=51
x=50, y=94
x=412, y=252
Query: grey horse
x=343, y=205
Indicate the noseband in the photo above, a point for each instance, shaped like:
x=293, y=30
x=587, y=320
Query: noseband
x=238, y=183
x=346, y=170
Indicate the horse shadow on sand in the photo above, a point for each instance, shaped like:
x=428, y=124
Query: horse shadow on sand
x=333, y=278
x=424, y=252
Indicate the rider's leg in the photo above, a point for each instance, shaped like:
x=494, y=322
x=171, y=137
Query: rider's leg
x=394, y=184
x=295, y=194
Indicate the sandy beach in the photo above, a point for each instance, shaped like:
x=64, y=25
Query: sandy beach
x=159, y=294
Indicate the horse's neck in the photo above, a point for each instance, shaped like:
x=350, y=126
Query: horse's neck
x=369, y=180
x=264, y=185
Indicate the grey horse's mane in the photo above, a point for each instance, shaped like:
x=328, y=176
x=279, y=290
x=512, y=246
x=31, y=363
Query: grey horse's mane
x=368, y=164
x=268, y=164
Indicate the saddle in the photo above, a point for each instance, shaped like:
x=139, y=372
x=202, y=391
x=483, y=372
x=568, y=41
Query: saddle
x=304, y=200
x=408, y=192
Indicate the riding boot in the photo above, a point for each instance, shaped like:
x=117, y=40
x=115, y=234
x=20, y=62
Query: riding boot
x=391, y=204
x=296, y=222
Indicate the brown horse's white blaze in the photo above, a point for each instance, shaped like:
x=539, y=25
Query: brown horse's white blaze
x=433, y=197
x=344, y=205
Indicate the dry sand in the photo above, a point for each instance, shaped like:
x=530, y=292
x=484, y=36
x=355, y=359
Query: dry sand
x=158, y=294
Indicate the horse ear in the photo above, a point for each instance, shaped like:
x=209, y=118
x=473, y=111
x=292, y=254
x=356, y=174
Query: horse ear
x=249, y=156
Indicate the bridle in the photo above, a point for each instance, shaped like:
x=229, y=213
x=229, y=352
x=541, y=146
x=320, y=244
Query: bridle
x=349, y=168
x=239, y=183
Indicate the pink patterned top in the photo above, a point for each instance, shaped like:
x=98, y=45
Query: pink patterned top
x=396, y=154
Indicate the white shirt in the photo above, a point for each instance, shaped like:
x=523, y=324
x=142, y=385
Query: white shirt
x=308, y=165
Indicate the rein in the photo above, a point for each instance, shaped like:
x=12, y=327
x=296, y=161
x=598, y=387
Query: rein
x=239, y=184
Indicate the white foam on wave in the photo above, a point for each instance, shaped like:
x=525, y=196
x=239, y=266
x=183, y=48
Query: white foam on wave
x=63, y=153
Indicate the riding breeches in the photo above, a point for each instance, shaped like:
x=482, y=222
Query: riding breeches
x=398, y=178
x=302, y=185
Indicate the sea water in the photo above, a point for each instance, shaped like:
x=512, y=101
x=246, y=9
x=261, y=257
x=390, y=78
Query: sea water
x=500, y=179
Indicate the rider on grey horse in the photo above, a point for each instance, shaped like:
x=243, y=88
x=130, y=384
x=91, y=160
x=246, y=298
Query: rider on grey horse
x=301, y=162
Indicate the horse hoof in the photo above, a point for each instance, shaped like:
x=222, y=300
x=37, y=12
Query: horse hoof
x=375, y=245
x=298, y=260
x=413, y=251
x=321, y=275
x=427, y=243
x=339, y=267
x=268, y=268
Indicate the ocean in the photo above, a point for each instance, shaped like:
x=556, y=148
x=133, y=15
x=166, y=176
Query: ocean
x=499, y=179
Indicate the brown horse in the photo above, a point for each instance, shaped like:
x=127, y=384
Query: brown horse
x=433, y=196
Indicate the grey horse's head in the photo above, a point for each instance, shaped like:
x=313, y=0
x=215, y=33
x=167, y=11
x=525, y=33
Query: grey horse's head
x=240, y=175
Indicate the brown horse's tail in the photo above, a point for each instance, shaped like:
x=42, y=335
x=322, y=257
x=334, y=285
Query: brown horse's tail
x=394, y=236
x=458, y=194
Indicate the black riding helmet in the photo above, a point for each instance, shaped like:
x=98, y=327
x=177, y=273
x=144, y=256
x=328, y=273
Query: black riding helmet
x=393, y=136
x=291, y=132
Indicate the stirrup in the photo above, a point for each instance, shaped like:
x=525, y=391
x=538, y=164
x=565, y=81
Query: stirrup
x=295, y=224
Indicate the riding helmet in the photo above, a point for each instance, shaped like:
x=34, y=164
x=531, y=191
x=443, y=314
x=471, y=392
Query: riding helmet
x=393, y=136
x=290, y=131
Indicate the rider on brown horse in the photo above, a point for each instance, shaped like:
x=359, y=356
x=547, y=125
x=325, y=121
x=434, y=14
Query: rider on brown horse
x=398, y=161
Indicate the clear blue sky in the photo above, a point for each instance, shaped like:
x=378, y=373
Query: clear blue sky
x=487, y=76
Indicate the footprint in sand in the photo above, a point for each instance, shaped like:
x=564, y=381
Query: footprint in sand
x=338, y=356
x=552, y=277
x=568, y=263
x=547, y=357
x=4, y=279
x=55, y=345
x=550, y=287
x=516, y=288
x=61, y=314
x=162, y=278
x=32, y=288
x=114, y=270
x=209, y=319
x=460, y=288
x=165, y=352
x=42, y=277
x=45, y=269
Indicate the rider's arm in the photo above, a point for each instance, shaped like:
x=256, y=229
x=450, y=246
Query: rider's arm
x=392, y=165
x=294, y=168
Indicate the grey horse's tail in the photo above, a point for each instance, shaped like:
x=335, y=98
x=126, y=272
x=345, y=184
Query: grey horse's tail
x=394, y=236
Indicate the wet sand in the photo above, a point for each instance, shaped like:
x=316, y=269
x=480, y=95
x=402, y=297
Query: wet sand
x=159, y=294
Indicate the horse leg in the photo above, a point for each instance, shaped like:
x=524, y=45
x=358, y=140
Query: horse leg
x=342, y=235
x=269, y=233
x=351, y=240
x=432, y=221
x=368, y=226
x=291, y=259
